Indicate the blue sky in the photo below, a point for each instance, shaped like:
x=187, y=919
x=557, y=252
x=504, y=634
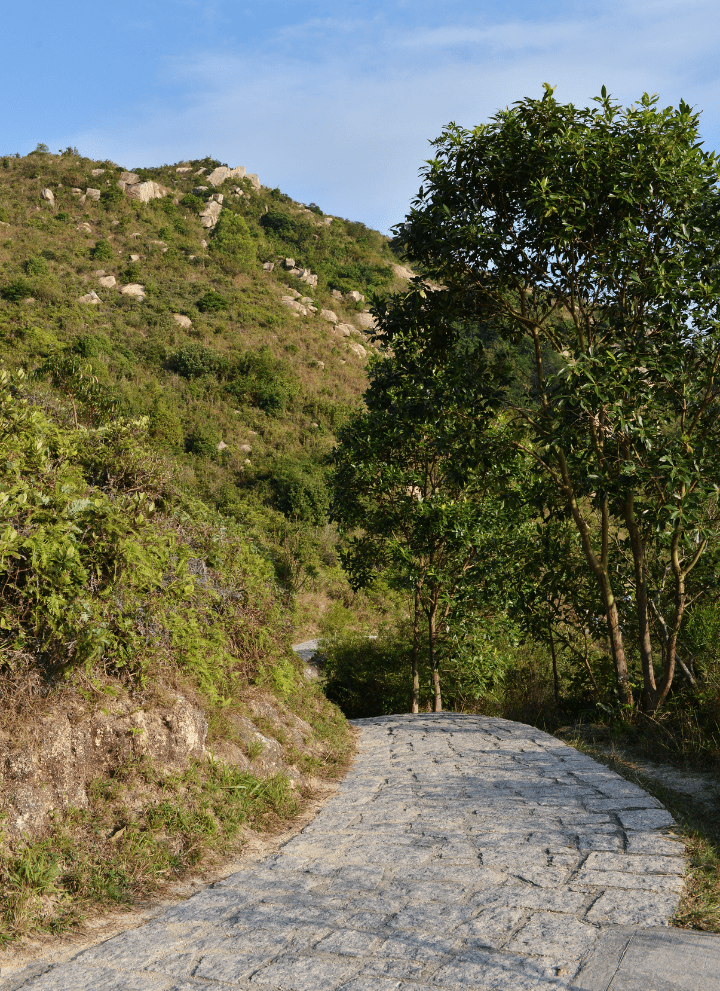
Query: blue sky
x=332, y=101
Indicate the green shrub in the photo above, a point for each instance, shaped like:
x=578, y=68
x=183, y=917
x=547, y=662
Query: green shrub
x=299, y=490
x=90, y=346
x=193, y=360
x=165, y=425
x=16, y=290
x=193, y=203
x=233, y=246
x=36, y=266
x=3, y=214
x=102, y=252
x=203, y=441
x=211, y=302
x=280, y=224
x=111, y=196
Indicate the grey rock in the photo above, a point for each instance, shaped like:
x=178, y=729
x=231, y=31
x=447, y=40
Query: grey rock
x=92, y=194
x=107, y=281
x=134, y=289
x=329, y=315
x=182, y=320
x=48, y=196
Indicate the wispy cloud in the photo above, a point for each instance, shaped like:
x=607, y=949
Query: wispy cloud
x=340, y=110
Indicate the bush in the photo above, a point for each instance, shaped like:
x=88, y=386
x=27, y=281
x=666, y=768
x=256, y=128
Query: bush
x=111, y=196
x=279, y=224
x=233, y=246
x=102, y=252
x=212, y=302
x=299, y=490
x=192, y=202
x=16, y=290
x=259, y=379
x=36, y=266
x=203, y=441
x=193, y=360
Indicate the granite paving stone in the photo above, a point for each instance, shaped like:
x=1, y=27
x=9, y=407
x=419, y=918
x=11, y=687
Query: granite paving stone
x=460, y=852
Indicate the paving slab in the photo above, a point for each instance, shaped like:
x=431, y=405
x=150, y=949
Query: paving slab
x=460, y=852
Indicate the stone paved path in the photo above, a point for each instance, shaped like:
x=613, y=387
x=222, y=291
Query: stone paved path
x=460, y=852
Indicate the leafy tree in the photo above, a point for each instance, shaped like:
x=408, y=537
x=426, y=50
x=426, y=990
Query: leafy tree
x=76, y=380
x=410, y=486
x=594, y=232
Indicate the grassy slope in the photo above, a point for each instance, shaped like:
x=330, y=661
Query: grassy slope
x=253, y=518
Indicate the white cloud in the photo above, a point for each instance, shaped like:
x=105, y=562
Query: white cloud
x=340, y=111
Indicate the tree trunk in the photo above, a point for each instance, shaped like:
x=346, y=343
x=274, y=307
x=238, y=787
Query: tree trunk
x=415, y=650
x=556, y=683
x=437, y=704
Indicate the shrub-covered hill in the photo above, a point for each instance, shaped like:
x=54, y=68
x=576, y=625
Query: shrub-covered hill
x=243, y=364
x=174, y=363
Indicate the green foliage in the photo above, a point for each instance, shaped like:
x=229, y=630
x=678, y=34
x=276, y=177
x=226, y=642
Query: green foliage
x=203, y=441
x=299, y=490
x=16, y=290
x=193, y=203
x=36, y=265
x=164, y=423
x=261, y=380
x=232, y=245
x=102, y=252
x=194, y=360
x=111, y=197
x=593, y=233
x=211, y=302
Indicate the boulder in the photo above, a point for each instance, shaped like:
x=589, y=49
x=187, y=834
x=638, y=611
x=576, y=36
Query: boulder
x=358, y=349
x=75, y=191
x=209, y=215
x=328, y=220
x=345, y=329
x=183, y=168
x=305, y=300
x=135, y=290
x=222, y=446
x=134, y=258
x=336, y=294
x=366, y=321
x=81, y=199
x=294, y=305
x=218, y=176
x=92, y=194
x=99, y=272
x=268, y=266
x=63, y=755
x=255, y=182
x=129, y=178
x=203, y=244
x=48, y=196
x=218, y=197
x=329, y=316
x=185, y=322
x=84, y=227
x=293, y=293
x=160, y=244
x=354, y=297
x=146, y=191
x=107, y=281
x=245, y=449
x=98, y=171
x=201, y=172
x=289, y=263
x=92, y=298
x=199, y=190
x=308, y=277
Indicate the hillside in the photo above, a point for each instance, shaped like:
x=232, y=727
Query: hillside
x=178, y=346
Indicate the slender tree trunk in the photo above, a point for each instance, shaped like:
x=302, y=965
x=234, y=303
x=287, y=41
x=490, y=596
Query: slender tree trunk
x=556, y=683
x=415, y=650
x=599, y=567
x=432, y=632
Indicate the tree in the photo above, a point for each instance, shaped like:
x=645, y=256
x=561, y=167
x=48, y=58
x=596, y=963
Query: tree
x=233, y=245
x=410, y=489
x=594, y=232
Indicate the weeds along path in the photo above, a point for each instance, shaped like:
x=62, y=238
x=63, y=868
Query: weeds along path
x=460, y=852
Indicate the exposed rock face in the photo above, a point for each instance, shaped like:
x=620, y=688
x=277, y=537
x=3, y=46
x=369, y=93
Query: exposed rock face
x=403, y=272
x=48, y=196
x=84, y=227
x=146, y=191
x=185, y=322
x=92, y=194
x=66, y=756
x=134, y=289
x=209, y=215
x=336, y=294
x=307, y=276
x=268, y=266
x=366, y=320
x=107, y=281
x=199, y=190
x=354, y=297
x=294, y=305
x=183, y=169
x=359, y=350
x=329, y=316
x=218, y=176
x=97, y=172
x=129, y=178
x=289, y=264
x=345, y=329
x=92, y=298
